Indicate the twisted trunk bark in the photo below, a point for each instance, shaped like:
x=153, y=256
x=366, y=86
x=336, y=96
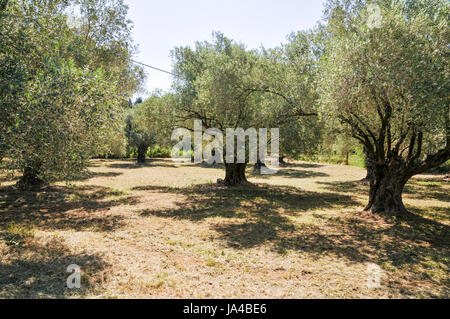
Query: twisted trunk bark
x=235, y=174
x=386, y=187
x=369, y=167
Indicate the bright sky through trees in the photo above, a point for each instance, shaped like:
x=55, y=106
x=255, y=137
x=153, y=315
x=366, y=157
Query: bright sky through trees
x=160, y=25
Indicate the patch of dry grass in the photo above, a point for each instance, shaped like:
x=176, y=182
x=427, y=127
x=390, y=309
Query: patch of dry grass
x=166, y=230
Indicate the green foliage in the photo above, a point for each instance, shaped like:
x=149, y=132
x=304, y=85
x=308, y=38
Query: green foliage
x=65, y=79
x=212, y=81
x=227, y=86
x=156, y=115
x=131, y=152
x=139, y=137
x=389, y=83
x=113, y=141
x=150, y=123
x=289, y=85
x=355, y=159
x=158, y=152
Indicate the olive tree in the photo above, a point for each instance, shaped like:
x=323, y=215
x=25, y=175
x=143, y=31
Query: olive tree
x=137, y=138
x=150, y=122
x=211, y=81
x=289, y=84
x=385, y=76
x=227, y=86
x=62, y=83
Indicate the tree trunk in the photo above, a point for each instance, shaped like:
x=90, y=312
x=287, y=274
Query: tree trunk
x=142, y=150
x=30, y=176
x=235, y=174
x=386, y=188
x=369, y=166
x=347, y=158
x=259, y=164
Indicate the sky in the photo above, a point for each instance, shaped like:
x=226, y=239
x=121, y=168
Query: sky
x=161, y=25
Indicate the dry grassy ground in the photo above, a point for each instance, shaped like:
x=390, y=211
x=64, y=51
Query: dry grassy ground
x=165, y=230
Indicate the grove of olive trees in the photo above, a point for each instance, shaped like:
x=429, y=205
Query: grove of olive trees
x=67, y=77
x=102, y=197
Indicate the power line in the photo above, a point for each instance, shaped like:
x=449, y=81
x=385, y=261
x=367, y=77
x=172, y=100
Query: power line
x=152, y=67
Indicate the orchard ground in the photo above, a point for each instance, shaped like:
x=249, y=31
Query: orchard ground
x=167, y=230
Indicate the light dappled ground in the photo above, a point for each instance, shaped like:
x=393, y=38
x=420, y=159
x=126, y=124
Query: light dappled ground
x=166, y=230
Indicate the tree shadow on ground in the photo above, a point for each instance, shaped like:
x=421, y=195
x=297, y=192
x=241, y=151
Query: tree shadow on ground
x=301, y=165
x=263, y=215
x=420, y=189
x=83, y=177
x=91, y=175
x=63, y=207
x=353, y=187
x=210, y=200
x=428, y=189
x=441, y=214
x=258, y=214
x=414, y=247
x=37, y=270
x=283, y=171
x=206, y=165
x=291, y=173
x=305, y=165
x=132, y=164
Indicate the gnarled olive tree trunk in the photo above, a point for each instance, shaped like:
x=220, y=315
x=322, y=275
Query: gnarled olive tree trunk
x=387, y=183
x=235, y=174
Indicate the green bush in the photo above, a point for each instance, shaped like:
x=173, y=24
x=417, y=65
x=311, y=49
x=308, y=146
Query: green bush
x=131, y=152
x=354, y=159
x=158, y=152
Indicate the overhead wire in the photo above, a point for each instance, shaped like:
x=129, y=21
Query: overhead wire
x=152, y=67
